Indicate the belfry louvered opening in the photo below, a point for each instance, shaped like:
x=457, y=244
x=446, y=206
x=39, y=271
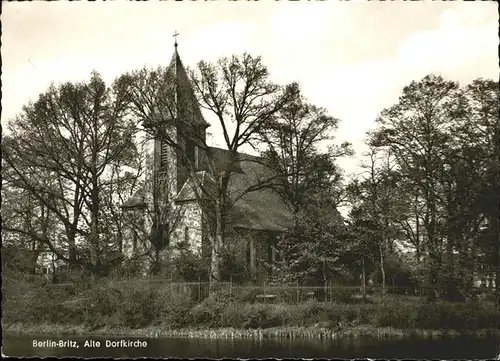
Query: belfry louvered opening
x=164, y=155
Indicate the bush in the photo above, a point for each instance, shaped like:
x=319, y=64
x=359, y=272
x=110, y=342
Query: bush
x=439, y=315
x=247, y=295
x=215, y=313
x=26, y=302
x=400, y=316
x=135, y=304
x=233, y=315
x=188, y=266
x=209, y=312
x=204, y=313
x=261, y=316
x=343, y=295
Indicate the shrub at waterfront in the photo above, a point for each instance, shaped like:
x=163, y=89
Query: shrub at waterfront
x=131, y=305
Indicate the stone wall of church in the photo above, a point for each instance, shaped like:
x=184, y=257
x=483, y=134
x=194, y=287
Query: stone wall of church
x=190, y=228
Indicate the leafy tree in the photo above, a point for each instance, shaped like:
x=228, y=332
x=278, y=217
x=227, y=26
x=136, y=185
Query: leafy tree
x=473, y=167
x=361, y=258
x=310, y=183
x=293, y=142
x=311, y=251
x=59, y=151
x=444, y=141
x=416, y=131
x=376, y=206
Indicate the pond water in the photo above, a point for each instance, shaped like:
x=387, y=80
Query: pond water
x=442, y=348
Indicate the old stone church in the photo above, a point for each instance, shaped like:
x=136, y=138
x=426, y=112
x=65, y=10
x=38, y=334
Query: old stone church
x=257, y=217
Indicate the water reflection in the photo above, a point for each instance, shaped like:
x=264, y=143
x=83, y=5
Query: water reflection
x=444, y=348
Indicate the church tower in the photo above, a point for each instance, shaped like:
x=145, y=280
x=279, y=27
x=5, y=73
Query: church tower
x=190, y=126
x=180, y=149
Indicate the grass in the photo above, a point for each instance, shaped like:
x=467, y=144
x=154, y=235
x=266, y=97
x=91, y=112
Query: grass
x=294, y=332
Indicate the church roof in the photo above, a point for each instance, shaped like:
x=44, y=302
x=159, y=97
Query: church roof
x=260, y=209
x=136, y=201
x=188, y=108
x=221, y=160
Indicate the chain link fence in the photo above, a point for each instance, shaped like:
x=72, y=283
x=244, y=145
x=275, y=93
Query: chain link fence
x=272, y=293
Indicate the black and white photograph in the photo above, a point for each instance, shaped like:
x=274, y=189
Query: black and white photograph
x=250, y=179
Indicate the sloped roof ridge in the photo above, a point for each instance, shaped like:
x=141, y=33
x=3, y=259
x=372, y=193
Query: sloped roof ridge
x=238, y=153
x=137, y=200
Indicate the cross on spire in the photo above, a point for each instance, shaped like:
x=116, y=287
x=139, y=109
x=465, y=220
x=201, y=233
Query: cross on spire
x=175, y=37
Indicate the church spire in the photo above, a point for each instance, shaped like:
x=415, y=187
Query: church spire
x=187, y=106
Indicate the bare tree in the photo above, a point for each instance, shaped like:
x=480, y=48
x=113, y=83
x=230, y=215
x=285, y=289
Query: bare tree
x=60, y=150
x=383, y=205
x=237, y=90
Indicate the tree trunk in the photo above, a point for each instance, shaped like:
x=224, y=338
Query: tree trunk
x=94, y=252
x=363, y=277
x=71, y=235
x=451, y=288
x=417, y=233
x=94, y=231
x=496, y=223
x=215, y=263
x=253, y=265
x=217, y=243
x=382, y=268
x=156, y=262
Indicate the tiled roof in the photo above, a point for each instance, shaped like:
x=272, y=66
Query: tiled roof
x=261, y=209
x=220, y=158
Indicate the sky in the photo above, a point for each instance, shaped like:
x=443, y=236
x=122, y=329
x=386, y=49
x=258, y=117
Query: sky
x=352, y=58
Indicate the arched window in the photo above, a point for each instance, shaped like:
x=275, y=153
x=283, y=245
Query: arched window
x=186, y=235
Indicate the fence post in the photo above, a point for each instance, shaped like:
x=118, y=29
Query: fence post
x=230, y=285
x=199, y=288
x=264, y=291
x=297, y=288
